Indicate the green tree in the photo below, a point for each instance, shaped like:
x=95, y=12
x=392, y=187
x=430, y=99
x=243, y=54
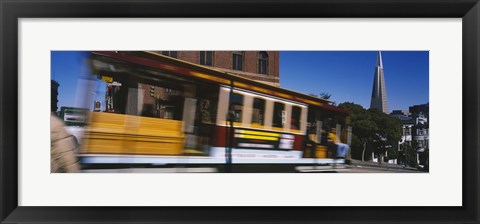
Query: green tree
x=324, y=95
x=393, y=152
x=363, y=129
x=372, y=131
x=387, y=134
x=411, y=154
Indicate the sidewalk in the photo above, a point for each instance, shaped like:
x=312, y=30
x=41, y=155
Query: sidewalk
x=375, y=164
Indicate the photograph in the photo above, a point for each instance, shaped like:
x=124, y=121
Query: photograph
x=274, y=111
x=239, y=111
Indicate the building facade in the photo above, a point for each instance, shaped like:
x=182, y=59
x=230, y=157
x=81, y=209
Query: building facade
x=260, y=66
x=415, y=134
x=421, y=108
x=421, y=132
x=54, y=95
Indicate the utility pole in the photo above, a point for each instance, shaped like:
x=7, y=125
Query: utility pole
x=406, y=156
x=230, y=132
x=349, y=141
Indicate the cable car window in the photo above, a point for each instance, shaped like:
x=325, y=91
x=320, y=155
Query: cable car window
x=327, y=125
x=237, y=106
x=279, y=115
x=258, y=111
x=295, y=119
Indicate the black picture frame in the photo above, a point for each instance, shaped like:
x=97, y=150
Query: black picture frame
x=11, y=11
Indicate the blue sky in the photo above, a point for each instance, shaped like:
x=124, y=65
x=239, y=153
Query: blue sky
x=67, y=68
x=346, y=75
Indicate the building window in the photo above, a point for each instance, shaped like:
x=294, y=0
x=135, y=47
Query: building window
x=206, y=58
x=173, y=54
x=237, y=62
x=295, y=121
x=168, y=113
x=237, y=106
x=262, y=62
x=258, y=111
x=278, y=115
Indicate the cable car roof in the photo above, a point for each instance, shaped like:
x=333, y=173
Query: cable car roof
x=166, y=63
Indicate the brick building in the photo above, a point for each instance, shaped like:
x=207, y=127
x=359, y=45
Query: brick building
x=261, y=66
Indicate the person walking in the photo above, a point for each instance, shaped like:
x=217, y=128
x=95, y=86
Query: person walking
x=64, y=146
x=341, y=149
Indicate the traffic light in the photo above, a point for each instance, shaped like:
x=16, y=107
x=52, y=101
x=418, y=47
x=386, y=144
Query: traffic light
x=152, y=91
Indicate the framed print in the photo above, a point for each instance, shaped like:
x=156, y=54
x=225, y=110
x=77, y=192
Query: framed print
x=224, y=111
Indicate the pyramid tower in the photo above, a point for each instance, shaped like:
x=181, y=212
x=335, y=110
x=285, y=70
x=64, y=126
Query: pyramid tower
x=379, y=91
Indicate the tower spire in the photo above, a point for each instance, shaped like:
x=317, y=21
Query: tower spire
x=379, y=91
x=379, y=59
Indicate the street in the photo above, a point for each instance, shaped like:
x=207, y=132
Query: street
x=373, y=169
x=354, y=168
